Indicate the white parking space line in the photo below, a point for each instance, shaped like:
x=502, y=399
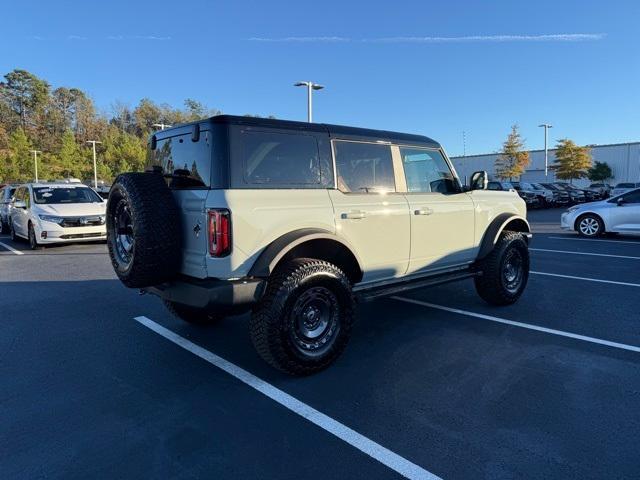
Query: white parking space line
x=376, y=451
x=588, y=279
x=583, y=253
x=594, y=240
x=528, y=326
x=17, y=252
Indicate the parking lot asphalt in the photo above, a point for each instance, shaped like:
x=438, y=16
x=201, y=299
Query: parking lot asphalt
x=546, y=388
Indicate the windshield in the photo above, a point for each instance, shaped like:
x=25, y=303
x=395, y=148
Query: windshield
x=526, y=186
x=65, y=195
x=507, y=185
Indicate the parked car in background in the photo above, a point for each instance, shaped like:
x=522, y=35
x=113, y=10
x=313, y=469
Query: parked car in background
x=603, y=189
x=496, y=185
x=6, y=193
x=544, y=196
x=46, y=213
x=560, y=196
x=575, y=195
x=530, y=197
x=620, y=214
x=623, y=187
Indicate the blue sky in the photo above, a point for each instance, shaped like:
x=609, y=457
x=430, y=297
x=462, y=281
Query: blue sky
x=435, y=68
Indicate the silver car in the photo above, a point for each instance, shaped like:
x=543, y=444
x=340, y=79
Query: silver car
x=621, y=188
x=6, y=193
x=619, y=214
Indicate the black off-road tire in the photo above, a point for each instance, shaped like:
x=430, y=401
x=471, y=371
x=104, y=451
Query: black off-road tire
x=143, y=230
x=593, y=225
x=494, y=285
x=276, y=329
x=196, y=316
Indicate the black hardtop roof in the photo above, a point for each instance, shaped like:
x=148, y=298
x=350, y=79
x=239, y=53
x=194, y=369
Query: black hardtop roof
x=335, y=131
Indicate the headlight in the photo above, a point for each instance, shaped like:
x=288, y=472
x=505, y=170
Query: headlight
x=51, y=218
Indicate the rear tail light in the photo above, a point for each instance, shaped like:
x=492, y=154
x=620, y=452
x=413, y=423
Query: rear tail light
x=219, y=233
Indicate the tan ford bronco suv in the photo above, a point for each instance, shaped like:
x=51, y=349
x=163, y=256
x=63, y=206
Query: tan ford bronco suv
x=295, y=222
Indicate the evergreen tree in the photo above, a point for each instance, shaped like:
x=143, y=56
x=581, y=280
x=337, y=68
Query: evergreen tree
x=600, y=172
x=513, y=159
x=19, y=165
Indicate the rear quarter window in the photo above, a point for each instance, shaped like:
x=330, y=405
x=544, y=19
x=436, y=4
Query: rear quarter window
x=278, y=159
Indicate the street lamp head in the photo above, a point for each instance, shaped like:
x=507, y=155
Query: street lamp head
x=315, y=86
x=301, y=84
x=546, y=125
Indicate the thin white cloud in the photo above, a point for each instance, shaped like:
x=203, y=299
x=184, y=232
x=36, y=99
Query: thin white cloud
x=76, y=37
x=137, y=37
x=301, y=39
x=558, y=37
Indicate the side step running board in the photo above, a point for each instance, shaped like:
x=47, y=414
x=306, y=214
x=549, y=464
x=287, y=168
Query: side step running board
x=370, y=294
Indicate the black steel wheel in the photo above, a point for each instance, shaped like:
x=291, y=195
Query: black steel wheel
x=505, y=271
x=303, y=322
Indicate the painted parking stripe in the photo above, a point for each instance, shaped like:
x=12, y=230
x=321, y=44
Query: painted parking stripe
x=587, y=279
x=528, y=326
x=376, y=451
x=9, y=247
x=583, y=253
x=594, y=240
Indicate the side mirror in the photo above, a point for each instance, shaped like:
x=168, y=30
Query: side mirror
x=19, y=204
x=479, y=180
x=620, y=201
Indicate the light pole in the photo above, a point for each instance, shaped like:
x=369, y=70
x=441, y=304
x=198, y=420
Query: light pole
x=546, y=127
x=161, y=126
x=310, y=87
x=35, y=161
x=95, y=167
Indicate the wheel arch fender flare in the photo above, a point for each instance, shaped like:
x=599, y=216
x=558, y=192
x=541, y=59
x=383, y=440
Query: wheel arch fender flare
x=278, y=249
x=504, y=221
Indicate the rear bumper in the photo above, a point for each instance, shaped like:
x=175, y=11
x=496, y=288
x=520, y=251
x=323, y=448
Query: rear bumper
x=211, y=294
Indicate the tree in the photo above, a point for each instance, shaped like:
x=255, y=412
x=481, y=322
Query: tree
x=572, y=161
x=19, y=164
x=600, y=172
x=25, y=94
x=70, y=159
x=513, y=159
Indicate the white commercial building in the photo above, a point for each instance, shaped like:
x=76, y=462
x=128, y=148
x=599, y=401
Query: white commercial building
x=623, y=158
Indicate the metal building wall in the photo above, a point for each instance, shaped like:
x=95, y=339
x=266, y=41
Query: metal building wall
x=623, y=158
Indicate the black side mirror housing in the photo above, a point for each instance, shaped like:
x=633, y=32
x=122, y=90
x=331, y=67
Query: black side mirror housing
x=620, y=201
x=479, y=180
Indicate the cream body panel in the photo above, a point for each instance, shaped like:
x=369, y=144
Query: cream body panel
x=259, y=216
x=377, y=227
x=491, y=203
x=442, y=230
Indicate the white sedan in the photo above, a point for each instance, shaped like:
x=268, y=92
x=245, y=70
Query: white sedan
x=620, y=214
x=57, y=213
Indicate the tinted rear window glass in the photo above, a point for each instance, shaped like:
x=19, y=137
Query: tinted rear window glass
x=189, y=163
x=364, y=167
x=279, y=159
x=625, y=185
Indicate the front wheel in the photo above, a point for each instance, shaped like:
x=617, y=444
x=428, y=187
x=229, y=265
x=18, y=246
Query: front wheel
x=590, y=226
x=303, y=322
x=33, y=241
x=505, y=271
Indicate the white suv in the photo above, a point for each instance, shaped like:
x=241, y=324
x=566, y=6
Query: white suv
x=46, y=213
x=293, y=221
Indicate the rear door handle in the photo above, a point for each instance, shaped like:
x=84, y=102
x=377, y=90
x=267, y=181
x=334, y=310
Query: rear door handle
x=423, y=211
x=354, y=215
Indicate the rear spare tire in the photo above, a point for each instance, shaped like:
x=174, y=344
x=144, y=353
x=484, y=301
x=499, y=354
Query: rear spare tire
x=143, y=230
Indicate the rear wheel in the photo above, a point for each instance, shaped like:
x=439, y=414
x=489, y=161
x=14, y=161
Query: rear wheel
x=303, y=322
x=505, y=271
x=197, y=316
x=589, y=225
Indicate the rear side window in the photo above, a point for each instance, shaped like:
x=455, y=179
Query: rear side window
x=187, y=163
x=364, y=167
x=279, y=159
